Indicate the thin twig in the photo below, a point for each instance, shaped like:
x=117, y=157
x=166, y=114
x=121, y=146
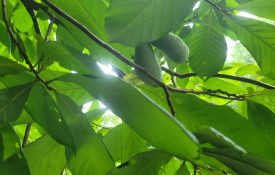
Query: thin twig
x=169, y=102
x=26, y=135
x=50, y=29
x=117, y=54
x=17, y=43
x=231, y=77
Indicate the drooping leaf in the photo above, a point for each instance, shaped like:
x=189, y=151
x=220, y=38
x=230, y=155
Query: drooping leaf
x=9, y=67
x=195, y=113
x=258, y=38
x=207, y=47
x=134, y=22
x=123, y=143
x=141, y=114
x=45, y=156
x=150, y=163
x=241, y=163
x=46, y=114
x=12, y=101
x=217, y=139
x=261, y=8
x=91, y=156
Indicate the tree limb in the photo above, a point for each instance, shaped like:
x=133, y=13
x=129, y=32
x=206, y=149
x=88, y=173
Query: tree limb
x=231, y=77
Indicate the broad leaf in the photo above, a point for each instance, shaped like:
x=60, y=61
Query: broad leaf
x=134, y=22
x=67, y=57
x=45, y=156
x=123, y=143
x=12, y=101
x=261, y=8
x=195, y=113
x=263, y=118
x=91, y=155
x=207, y=47
x=243, y=164
x=150, y=163
x=141, y=114
x=89, y=13
x=45, y=113
x=9, y=67
x=215, y=138
x=259, y=38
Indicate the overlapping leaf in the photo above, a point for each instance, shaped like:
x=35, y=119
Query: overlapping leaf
x=134, y=22
x=141, y=114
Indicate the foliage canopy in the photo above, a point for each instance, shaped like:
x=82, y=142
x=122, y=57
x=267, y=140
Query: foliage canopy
x=158, y=113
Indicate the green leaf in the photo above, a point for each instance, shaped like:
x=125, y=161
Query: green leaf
x=123, y=143
x=12, y=101
x=67, y=57
x=91, y=156
x=195, y=113
x=4, y=36
x=207, y=47
x=9, y=67
x=10, y=148
x=259, y=38
x=215, y=138
x=89, y=13
x=145, y=163
x=243, y=164
x=45, y=156
x=45, y=113
x=261, y=8
x=19, y=14
x=263, y=118
x=141, y=114
x=134, y=22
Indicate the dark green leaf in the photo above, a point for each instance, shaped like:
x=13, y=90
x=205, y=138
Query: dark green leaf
x=141, y=114
x=263, y=118
x=150, y=163
x=91, y=155
x=44, y=111
x=195, y=113
x=207, y=47
x=10, y=148
x=243, y=164
x=134, y=22
x=12, y=101
x=9, y=67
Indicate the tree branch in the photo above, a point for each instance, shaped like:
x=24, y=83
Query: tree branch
x=17, y=43
x=231, y=77
x=169, y=102
x=26, y=135
x=124, y=59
